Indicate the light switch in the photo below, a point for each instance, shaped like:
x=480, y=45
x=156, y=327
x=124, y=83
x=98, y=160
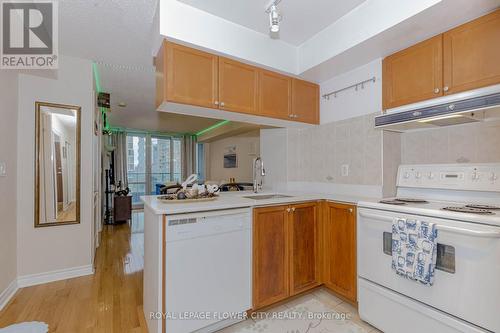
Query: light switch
x=345, y=170
x=3, y=169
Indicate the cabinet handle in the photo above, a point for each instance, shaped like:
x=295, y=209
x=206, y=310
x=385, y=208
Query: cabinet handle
x=436, y=91
x=351, y=210
x=216, y=102
x=222, y=104
x=293, y=209
x=288, y=210
x=290, y=116
x=445, y=89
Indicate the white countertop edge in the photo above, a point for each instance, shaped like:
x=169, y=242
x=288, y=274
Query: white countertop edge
x=232, y=200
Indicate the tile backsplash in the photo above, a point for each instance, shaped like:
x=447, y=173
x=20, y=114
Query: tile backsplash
x=469, y=143
x=318, y=154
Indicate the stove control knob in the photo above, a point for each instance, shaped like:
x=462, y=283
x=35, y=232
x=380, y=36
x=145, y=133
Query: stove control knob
x=418, y=175
x=407, y=175
x=493, y=177
x=430, y=175
x=475, y=175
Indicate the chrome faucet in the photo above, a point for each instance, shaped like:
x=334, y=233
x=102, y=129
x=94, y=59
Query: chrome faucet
x=257, y=185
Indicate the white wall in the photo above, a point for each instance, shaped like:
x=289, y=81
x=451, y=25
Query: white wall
x=44, y=250
x=273, y=150
x=8, y=188
x=181, y=22
x=352, y=103
x=313, y=157
x=468, y=143
x=247, y=149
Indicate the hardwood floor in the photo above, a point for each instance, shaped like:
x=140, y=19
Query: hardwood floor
x=66, y=215
x=109, y=301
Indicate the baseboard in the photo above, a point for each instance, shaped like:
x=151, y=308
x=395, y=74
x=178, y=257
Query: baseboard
x=7, y=294
x=62, y=274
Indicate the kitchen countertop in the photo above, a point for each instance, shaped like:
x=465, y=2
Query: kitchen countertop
x=230, y=200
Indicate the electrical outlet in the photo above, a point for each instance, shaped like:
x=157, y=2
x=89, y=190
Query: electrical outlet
x=345, y=170
x=3, y=169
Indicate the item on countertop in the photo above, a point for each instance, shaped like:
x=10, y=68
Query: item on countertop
x=183, y=197
x=189, y=180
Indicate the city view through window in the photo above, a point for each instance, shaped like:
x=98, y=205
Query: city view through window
x=152, y=161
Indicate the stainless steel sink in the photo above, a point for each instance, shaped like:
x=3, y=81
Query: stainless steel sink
x=267, y=196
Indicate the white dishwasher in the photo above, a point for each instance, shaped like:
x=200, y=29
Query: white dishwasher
x=208, y=269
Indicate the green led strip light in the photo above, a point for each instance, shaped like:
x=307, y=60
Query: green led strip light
x=97, y=79
x=208, y=129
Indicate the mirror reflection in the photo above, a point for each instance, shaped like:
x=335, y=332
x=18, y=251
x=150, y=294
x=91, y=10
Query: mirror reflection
x=58, y=150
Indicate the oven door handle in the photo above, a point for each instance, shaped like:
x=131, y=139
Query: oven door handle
x=469, y=232
x=455, y=230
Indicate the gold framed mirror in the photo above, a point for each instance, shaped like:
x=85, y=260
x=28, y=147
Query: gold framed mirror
x=57, y=164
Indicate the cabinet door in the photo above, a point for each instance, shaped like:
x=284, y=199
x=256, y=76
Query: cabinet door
x=238, y=86
x=191, y=76
x=305, y=101
x=472, y=54
x=270, y=256
x=275, y=92
x=303, y=247
x=339, y=246
x=414, y=74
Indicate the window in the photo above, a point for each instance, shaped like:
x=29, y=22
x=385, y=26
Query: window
x=200, y=161
x=152, y=161
x=136, y=166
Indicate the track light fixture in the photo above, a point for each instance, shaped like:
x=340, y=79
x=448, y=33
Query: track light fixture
x=274, y=17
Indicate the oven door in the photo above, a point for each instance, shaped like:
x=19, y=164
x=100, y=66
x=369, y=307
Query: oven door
x=467, y=276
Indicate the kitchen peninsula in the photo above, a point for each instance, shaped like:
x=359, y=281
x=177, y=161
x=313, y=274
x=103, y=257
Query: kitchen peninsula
x=216, y=256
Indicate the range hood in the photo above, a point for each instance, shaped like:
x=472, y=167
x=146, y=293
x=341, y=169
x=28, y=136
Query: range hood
x=471, y=106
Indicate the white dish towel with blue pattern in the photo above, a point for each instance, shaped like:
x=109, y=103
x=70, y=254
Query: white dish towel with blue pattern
x=414, y=249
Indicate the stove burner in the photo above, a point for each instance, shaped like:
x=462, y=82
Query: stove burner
x=469, y=210
x=392, y=202
x=410, y=200
x=486, y=207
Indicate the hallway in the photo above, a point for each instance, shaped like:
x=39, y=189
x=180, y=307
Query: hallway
x=110, y=301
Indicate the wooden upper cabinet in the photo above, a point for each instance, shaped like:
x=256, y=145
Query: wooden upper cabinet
x=472, y=54
x=339, y=249
x=414, y=74
x=238, y=86
x=191, y=76
x=305, y=101
x=275, y=91
x=303, y=247
x=270, y=256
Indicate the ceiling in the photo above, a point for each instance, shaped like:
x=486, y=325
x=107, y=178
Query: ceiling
x=117, y=35
x=301, y=19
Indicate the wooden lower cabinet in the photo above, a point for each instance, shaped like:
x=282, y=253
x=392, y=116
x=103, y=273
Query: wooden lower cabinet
x=270, y=255
x=339, y=249
x=303, y=247
x=285, y=252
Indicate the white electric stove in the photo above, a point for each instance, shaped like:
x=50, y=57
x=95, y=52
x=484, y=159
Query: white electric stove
x=464, y=202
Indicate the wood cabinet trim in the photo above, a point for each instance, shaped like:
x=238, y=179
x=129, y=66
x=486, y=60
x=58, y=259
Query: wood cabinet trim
x=262, y=107
x=436, y=46
x=299, y=289
x=223, y=100
x=166, y=90
x=170, y=70
x=257, y=302
x=351, y=294
x=314, y=109
x=448, y=53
